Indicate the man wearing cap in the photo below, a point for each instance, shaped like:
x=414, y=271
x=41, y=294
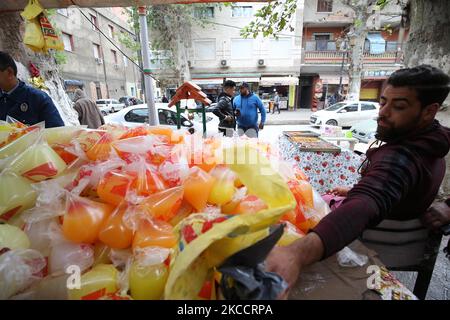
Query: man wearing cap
x=246, y=105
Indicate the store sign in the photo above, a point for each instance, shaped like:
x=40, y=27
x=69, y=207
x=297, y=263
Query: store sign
x=377, y=73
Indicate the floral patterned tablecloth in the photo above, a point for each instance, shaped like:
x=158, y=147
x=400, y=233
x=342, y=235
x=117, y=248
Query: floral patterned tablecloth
x=325, y=170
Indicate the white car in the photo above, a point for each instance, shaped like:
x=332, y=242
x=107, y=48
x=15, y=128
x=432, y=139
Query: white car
x=345, y=114
x=365, y=131
x=109, y=105
x=137, y=115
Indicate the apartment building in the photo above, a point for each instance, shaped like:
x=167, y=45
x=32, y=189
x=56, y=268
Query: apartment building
x=92, y=61
x=324, y=55
x=218, y=52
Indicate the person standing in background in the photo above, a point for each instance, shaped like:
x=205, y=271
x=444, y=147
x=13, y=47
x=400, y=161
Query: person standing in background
x=88, y=112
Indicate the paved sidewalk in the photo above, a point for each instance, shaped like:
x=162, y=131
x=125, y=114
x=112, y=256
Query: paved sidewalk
x=291, y=117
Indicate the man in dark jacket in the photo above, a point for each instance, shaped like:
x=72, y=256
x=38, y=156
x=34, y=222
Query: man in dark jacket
x=88, y=112
x=224, y=109
x=23, y=102
x=399, y=180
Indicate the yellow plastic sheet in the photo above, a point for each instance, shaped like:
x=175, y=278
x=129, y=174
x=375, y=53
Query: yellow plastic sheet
x=32, y=10
x=33, y=36
x=192, y=263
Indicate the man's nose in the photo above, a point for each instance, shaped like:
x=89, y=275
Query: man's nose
x=384, y=111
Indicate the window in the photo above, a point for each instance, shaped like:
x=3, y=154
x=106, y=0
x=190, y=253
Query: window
x=324, y=5
x=125, y=61
x=111, y=31
x=280, y=48
x=205, y=49
x=367, y=107
x=64, y=12
x=322, y=41
x=94, y=22
x=68, y=41
x=167, y=117
x=202, y=13
x=391, y=46
x=137, y=115
x=241, y=48
x=351, y=108
x=97, y=52
x=242, y=11
x=114, y=54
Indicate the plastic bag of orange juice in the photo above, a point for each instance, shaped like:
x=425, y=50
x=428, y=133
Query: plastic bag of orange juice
x=83, y=218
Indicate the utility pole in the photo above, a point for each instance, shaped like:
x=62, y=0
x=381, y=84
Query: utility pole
x=145, y=50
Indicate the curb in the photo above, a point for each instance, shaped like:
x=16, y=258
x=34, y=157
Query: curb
x=286, y=122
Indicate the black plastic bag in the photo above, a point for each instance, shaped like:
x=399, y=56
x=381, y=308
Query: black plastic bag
x=244, y=276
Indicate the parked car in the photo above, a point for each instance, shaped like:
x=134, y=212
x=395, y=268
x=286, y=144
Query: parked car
x=137, y=115
x=128, y=100
x=109, y=106
x=345, y=114
x=364, y=131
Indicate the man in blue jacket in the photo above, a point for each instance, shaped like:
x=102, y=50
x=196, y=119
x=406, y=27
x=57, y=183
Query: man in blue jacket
x=247, y=105
x=23, y=102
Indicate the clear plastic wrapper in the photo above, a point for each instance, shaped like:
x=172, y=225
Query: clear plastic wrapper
x=19, y=269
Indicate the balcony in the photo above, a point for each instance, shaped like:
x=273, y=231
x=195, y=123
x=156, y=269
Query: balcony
x=327, y=53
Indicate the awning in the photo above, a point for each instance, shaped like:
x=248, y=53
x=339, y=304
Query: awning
x=239, y=80
x=20, y=4
x=333, y=79
x=278, y=81
x=208, y=81
x=71, y=82
x=377, y=43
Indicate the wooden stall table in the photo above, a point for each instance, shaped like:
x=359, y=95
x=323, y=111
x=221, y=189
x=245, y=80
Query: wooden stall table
x=327, y=280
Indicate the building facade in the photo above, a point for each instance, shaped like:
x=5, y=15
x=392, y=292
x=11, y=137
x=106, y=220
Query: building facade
x=325, y=56
x=92, y=62
x=218, y=53
x=295, y=62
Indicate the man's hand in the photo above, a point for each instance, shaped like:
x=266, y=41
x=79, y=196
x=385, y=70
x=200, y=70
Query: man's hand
x=437, y=216
x=340, y=191
x=261, y=126
x=237, y=112
x=288, y=261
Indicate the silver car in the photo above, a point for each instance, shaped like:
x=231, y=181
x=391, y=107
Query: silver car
x=109, y=106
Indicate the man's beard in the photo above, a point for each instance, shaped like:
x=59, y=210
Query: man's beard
x=387, y=134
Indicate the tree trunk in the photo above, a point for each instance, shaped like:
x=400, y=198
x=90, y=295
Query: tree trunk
x=11, y=41
x=357, y=37
x=429, y=43
x=429, y=37
x=356, y=59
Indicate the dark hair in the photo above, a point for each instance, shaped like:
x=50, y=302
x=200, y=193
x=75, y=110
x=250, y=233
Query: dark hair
x=229, y=84
x=245, y=85
x=431, y=84
x=7, y=61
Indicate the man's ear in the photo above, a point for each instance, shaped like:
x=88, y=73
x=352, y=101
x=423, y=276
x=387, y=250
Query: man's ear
x=430, y=111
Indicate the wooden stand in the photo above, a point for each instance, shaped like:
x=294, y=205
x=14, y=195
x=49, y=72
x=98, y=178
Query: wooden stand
x=187, y=91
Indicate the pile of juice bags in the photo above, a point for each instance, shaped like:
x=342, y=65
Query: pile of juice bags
x=93, y=214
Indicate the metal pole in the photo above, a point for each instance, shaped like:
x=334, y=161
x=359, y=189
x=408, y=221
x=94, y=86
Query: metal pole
x=145, y=50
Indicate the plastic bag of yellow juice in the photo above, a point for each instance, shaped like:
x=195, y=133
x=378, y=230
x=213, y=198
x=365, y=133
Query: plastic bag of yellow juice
x=96, y=284
x=13, y=238
x=39, y=162
x=17, y=142
x=16, y=195
x=62, y=135
x=205, y=244
x=148, y=273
